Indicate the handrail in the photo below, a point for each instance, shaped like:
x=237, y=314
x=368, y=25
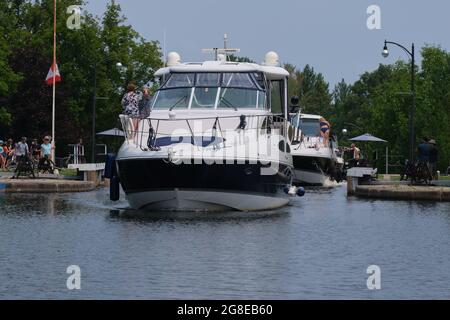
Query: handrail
x=137, y=136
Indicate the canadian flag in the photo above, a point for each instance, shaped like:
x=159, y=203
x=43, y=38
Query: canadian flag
x=54, y=71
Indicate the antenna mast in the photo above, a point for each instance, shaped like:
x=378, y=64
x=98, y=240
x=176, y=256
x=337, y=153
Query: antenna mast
x=224, y=51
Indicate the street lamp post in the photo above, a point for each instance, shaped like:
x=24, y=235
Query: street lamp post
x=412, y=108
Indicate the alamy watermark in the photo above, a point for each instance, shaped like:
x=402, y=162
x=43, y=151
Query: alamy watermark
x=74, y=280
x=374, y=20
x=374, y=279
x=74, y=20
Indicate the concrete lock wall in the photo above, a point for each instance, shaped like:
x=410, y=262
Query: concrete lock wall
x=404, y=192
x=46, y=186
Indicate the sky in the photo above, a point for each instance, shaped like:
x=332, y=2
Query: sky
x=330, y=35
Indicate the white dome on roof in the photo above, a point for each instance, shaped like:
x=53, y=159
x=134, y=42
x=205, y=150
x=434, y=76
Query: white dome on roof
x=271, y=59
x=173, y=59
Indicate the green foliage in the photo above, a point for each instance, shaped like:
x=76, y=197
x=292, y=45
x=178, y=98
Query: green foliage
x=5, y=117
x=311, y=88
x=378, y=102
x=26, y=50
x=234, y=58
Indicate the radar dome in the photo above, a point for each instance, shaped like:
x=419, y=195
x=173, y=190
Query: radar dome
x=272, y=59
x=221, y=57
x=173, y=58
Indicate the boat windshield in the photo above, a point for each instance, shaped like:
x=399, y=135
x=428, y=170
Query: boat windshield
x=212, y=90
x=309, y=127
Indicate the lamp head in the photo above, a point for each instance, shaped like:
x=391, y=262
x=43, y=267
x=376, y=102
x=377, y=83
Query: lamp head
x=385, y=52
x=344, y=131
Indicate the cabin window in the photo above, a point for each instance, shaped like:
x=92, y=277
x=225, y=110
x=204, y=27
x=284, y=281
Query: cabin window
x=309, y=127
x=237, y=98
x=208, y=80
x=276, y=100
x=178, y=80
x=238, y=80
x=260, y=80
x=172, y=98
x=204, y=97
x=209, y=90
x=261, y=99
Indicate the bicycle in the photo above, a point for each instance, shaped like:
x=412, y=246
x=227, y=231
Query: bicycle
x=25, y=166
x=417, y=172
x=46, y=165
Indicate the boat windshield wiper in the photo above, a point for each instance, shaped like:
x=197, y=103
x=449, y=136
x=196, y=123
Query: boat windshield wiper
x=178, y=102
x=228, y=103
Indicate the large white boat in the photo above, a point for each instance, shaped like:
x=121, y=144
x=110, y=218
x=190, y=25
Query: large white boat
x=215, y=139
x=315, y=162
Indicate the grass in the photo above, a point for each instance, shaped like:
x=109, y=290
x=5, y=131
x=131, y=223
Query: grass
x=63, y=172
x=68, y=172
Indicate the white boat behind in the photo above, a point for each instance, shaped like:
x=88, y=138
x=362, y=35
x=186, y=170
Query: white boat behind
x=315, y=163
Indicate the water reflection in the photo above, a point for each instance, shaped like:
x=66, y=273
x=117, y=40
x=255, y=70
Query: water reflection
x=317, y=247
x=232, y=216
x=34, y=204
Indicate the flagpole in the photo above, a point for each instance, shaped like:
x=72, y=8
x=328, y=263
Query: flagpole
x=54, y=82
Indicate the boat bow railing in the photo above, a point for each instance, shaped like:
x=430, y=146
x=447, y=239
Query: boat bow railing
x=146, y=133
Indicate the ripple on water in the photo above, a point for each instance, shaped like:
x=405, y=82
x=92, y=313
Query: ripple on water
x=317, y=247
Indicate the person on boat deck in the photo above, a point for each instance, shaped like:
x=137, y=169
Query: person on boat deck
x=325, y=130
x=131, y=102
x=145, y=103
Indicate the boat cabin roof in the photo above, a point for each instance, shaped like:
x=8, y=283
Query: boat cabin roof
x=272, y=73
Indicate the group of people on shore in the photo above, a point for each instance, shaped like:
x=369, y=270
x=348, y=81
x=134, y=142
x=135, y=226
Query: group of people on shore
x=12, y=153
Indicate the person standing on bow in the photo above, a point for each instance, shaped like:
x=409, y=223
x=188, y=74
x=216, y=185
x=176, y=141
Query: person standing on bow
x=325, y=128
x=131, y=103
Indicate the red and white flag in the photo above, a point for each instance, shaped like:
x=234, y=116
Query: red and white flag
x=53, y=73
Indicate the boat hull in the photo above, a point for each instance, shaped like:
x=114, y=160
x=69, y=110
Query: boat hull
x=203, y=200
x=316, y=171
x=312, y=178
x=160, y=185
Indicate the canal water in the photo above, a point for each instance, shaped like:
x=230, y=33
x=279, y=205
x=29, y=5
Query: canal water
x=318, y=247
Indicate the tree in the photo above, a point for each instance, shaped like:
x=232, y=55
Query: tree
x=433, y=110
x=235, y=58
x=26, y=50
x=311, y=88
x=8, y=78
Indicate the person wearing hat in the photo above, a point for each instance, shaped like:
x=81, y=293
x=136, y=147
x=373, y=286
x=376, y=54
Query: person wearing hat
x=433, y=158
x=45, y=164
